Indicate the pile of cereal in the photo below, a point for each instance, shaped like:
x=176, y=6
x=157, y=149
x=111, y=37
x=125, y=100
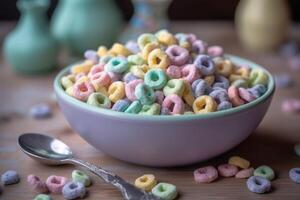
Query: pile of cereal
x=163, y=74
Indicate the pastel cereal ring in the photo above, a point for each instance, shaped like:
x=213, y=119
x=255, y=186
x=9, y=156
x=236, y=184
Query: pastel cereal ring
x=173, y=72
x=146, y=182
x=240, y=73
x=55, y=184
x=148, y=48
x=116, y=91
x=205, y=174
x=178, y=55
x=205, y=64
x=190, y=73
x=37, y=184
x=245, y=173
x=227, y=170
x=153, y=109
x=246, y=94
x=139, y=70
x=98, y=99
x=258, y=76
x=188, y=94
x=210, y=79
x=101, y=79
x=234, y=96
x=174, y=86
x=102, y=51
x=95, y=69
x=166, y=38
x=158, y=59
x=144, y=94
x=130, y=89
x=66, y=82
x=224, y=67
x=239, y=162
x=204, y=104
x=82, y=90
x=146, y=38
x=199, y=47
x=120, y=49
x=174, y=103
x=84, y=67
x=215, y=51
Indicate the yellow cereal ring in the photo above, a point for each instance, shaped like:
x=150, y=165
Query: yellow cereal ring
x=120, y=49
x=210, y=79
x=69, y=91
x=239, y=162
x=258, y=76
x=100, y=88
x=116, y=91
x=188, y=94
x=102, y=51
x=204, y=104
x=83, y=79
x=139, y=70
x=84, y=67
x=158, y=59
x=224, y=67
x=66, y=82
x=145, y=182
x=166, y=38
x=148, y=48
x=186, y=45
x=145, y=39
x=240, y=73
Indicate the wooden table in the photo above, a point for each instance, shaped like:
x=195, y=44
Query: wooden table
x=271, y=144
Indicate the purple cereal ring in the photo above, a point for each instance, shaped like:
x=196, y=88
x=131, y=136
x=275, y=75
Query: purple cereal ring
x=246, y=95
x=258, y=184
x=191, y=37
x=219, y=95
x=174, y=103
x=224, y=105
x=205, y=174
x=215, y=51
x=258, y=90
x=129, y=77
x=199, y=47
x=178, y=55
x=221, y=81
x=174, y=72
x=91, y=55
x=37, y=184
x=114, y=76
x=133, y=47
x=294, y=175
x=56, y=183
x=159, y=97
x=205, y=65
x=227, y=170
x=199, y=87
x=190, y=73
x=82, y=90
x=130, y=89
x=101, y=79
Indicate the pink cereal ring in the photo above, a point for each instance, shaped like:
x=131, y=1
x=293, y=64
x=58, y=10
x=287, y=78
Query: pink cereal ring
x=56, y=183
x=215, y=51
x=101, y=79
x=174, y=103
x=227, y=170
x=130, y=88
x=114, y=76
x=78, y=76
x=174, y=72
x=37, y=184
x=234, y=96
x=82, y=90
x=291, y=106
x=245, y=173
x=205, y=174
x=246, y=94
x=95, y=69
x=178, y=55
x=190, y=73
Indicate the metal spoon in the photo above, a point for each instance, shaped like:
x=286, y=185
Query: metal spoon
x=52, y=151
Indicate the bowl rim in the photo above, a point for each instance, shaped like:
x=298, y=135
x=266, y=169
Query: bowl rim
x=59, y=91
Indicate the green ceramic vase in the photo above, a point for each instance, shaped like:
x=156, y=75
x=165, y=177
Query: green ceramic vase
x=30, y=48
x=85, y=24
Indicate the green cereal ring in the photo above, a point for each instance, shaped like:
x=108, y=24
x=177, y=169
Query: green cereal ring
x=80, y=176
x=117, y=65
x=136, y=60
x=240, y=83
x=144, y=94
x=153, y=109
x=135, y=107
x=264, y=171
x=105, y=59
x=155, y=78
x=297, y=149
x=174, y=86
x=145, y=39
x=258, y=76
x=66, y=82
x=99, y=100
x=42, y=197
x=165, y=191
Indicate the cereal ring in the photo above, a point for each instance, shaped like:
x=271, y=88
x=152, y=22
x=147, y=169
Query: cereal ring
x=133, y=47
x=121, y=105
x=265, y=172
x=146, y=38
x=145, y=182
x=174, y=72
x=215, y=51
x=297, y=149
x=148, y=48
x=139, y=70
x=100, y=79
x=219, y=95
x=165, y=38
x=294, y=175
x=240, y=83
x=10, y=177
x=205, y=65
x=105, y=59
x=199, y=88
x=165, y=191
x=240, y=73
x=155, y=78
x=174, y=103
x=135, y=107
x=204, y=104
x=246, y=95
x=227, y=170
x=129, y=77
x=117, y=65
x=224, y=105
x=291, y=106
x=165, y=111
x=245, y=173
x=258, y=90
x=40, y=111
x=92, y=56
x=188, y=94
x=120, y=49
x=84, y=67
x=258, y=76
x=136, y=60
x=190, y=73
x=222, y=82
x=209, y=80
x=234, y=96
x=82, y=90
x=56, y=183
x=115, y=76
x=66, y=82
x=205, y=174
x=74, y=190
x=102, y=51
x=130, y=89
x=239, y=162
x=42, y=197
x=37, y=184
x=158, y=59
x=174, y=86
x=80, y=176
x=159, y=97
x=153, y=109
x=199, y=47
x=178, y=55
x=144, y=94
x=258, y=184
x=224, y=67
x=95, y=69
x=116, y=91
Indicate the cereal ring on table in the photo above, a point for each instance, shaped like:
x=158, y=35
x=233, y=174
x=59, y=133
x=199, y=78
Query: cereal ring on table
x=204, y=104
x=294, y=175
x=205, y=65
x=258, y=76
x=246, y=95
x=145, y=39
x=66, y=82
x=297, y=149
x=139, y=70
x=117, y=65
x=102, y=51
x=144, y=94
x=92, y=56
x=239, y=162
x=98, y=99
x=178, y=55
x=159, y=97
x=224, y=67
x=84, y=67
x=121, y=105
x=240, y=73
x=148, y=48
x=174, y=86
x=155, y=78
x=240, y=83
x=174, y=72
x=165, y=191
x=205, y=174
x=37, y=184
x=133, y=47
x=100, y=79
x=130, y=89
x=153, y=109
x=234, y=96
x=120, y=49
x=10, y=177
x=258, y=184
x=221, y=82
x=146, y=182
x=135, y=107
x=174, y=103
x=199, y=47
x=166, y=38
x=105, y=59
x=188, y=94
x=258, y=90
x=199, y=88
x=158, y=59
x=56, y=183
x=42, y=197
x=265, y=172
x=245, y=173
x=74, y=190
x=209, y=80
x=215, y=51
x=227, y=170
x=116, y=91
x=82, y=90
x=136, y=60
x=40, y=111
x=129, y=77
x=190, y=73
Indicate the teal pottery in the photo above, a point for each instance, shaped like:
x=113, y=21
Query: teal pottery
x=30, y=48
x=85, y=24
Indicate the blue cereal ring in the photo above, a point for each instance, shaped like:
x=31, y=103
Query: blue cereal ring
x=205, y=65
x=73, y=190
x=129, y=77
x=258, y=90
x=117, y=65
x=144, y=94
x=10, y=177
x=258, y=184
x=294, y=175
x=199, y=88
x=134, y=108
x=155, y=78
x=222, y=82
x=121, y=105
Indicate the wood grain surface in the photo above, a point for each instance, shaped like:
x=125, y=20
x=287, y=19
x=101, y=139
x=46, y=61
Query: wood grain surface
x=271, y=144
